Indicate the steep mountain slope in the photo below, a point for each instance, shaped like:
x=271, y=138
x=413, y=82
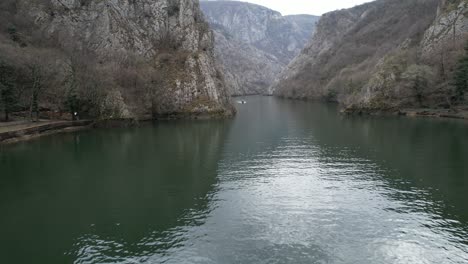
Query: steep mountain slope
x=247, y=69
x=147, y=57
x=305, y=24
x=254, y=43
x=381, y=55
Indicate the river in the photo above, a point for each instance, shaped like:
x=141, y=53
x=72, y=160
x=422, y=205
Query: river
x=283, y=182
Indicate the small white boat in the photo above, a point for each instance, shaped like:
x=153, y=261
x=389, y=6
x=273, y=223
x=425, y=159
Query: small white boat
x=242, y=102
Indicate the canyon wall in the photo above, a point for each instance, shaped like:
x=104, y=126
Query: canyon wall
x=386, y=54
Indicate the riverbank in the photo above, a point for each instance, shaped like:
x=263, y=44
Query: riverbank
x=22, y=131
x=17, y=131
x=436, y=113
x=411, y=112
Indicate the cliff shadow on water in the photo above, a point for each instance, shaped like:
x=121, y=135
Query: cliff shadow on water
x=108, y=194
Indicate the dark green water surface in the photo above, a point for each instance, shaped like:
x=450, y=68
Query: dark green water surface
x=283, y=182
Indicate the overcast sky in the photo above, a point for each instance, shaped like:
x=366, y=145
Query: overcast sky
x=314, y=7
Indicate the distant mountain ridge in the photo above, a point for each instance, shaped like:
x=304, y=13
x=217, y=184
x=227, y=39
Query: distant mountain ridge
x=255, y=43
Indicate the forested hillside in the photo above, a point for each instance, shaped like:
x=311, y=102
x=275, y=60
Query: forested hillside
x=385, y=55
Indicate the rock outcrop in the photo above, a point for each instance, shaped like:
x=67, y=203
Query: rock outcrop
x=385, y=54
x=170, y=37
x=255, y=43
x=451, y=25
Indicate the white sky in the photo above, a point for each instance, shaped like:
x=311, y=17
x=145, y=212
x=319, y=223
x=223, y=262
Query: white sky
x=314, y=7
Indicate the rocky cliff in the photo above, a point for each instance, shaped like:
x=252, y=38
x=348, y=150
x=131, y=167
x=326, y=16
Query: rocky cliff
x=153, y=56
x=255, y=43
x=247, y=70
x=385, y=54
x=450, y=25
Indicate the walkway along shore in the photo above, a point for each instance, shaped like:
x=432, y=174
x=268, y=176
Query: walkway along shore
x=19, y=131
x=16, y=133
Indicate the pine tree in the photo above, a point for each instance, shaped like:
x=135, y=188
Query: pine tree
x=37, y=76
x=417, y=79
x=13, y=33
x=72, y=102
x=461, y=76
x=8, y=99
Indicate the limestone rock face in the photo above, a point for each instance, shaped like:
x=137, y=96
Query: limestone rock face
x=366, y=56
x=438, y=52
x=255, y=43
x=450, y=25
x=330, y=30
x=247, y=69
x=149, y=28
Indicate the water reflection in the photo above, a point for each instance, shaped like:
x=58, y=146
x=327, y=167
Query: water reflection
x=284, y=182
x=107, y=195
x=361, y=195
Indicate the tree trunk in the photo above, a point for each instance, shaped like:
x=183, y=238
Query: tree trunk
x=31, y=110
x=154, y=113
x=420, y=97
x=442, y=66
x=36, y=87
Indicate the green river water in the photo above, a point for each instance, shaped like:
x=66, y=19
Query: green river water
x=282, y=182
